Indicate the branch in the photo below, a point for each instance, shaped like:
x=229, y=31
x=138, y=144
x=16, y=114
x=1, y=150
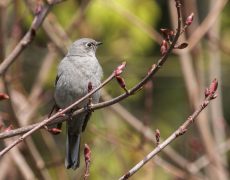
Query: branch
x=210, y=95
x=40, y=14
x=206, y=24
x=154, y=69
x=204, y=161
x=87, y=154
x=58, y=114
x=147, y=132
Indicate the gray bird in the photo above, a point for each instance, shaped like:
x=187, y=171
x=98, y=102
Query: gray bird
x=76, y=71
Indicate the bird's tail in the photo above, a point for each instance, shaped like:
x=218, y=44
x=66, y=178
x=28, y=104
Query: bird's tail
x=72, y=150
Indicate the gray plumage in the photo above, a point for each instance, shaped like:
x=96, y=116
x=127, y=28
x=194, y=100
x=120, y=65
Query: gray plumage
x=76, y=70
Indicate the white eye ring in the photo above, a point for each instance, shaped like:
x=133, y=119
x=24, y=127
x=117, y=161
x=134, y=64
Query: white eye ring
x=89, y=44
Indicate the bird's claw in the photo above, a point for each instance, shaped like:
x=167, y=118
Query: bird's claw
x=88, y=107
x=54, y=131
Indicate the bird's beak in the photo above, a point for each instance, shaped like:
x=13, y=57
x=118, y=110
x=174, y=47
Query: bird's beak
x=98, y=43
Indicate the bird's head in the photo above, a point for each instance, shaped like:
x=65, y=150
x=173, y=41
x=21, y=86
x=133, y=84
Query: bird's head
x=83, y=47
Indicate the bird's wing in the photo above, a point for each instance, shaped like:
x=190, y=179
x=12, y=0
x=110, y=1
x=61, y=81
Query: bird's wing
x=61, y=69
x=57, y=78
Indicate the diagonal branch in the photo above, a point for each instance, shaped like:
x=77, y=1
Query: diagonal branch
x=41, y=13
x=154, y=69
x=180, y=131
x=58, y=114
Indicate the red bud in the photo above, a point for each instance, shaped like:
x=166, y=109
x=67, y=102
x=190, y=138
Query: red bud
x=10, y=127
x=157, y=135
x=167, y=33
x=38, y=8
x=119, y=69
x=121, y=81
x=54, y=131
x=213, y=86
x=189, y=19
x=3, y=96
x=87, y=154
x=164, y=47
x=181, y=46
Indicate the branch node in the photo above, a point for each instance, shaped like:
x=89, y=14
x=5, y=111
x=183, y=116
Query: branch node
x=181, y=131
x=164, y=47
x=33, y=33
x=157, y=136
x=126, y=176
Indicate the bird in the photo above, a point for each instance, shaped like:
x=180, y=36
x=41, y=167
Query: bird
x=76, y=71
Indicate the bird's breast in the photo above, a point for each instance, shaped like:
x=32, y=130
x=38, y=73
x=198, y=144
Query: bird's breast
x=74, y=82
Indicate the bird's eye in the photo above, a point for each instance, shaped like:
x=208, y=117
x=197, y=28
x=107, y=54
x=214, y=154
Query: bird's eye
x=89, y=44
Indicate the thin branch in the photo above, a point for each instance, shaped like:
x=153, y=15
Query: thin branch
x=58, y=114
x=153, y=71
x=217, y=116
x=203, y=161
x=41, y=13
x=78, y=17
x=87, y=154
x=193, y=91
x=148, y=134
x=206, y=24
x=180, y=131
x=32, y=153
x=133, y=90
x=20, y=161
x=219, y=43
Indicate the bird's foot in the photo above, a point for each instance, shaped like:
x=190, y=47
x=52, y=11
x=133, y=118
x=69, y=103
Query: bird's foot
x=54, y=131
x=88, y=107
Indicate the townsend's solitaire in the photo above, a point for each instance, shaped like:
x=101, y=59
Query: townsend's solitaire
x=76, y=71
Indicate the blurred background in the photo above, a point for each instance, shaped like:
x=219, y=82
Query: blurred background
x=121, y=135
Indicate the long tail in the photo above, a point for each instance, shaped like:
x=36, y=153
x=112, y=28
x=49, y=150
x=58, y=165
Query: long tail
x=72, y=151
x=74, y=128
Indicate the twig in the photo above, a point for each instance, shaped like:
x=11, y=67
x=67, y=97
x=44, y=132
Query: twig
x=20, y=161
x=2, y=28
x=153, y=71
x=216, y=169
x=139, y=126
x=87, y=154
x=217, y=116
x=206, y=24
x=32, y=153
x=136, y=88
x=78, y=17
x=41, y=13
x=180, y=131
x=203, y=161
x=60, y=113
x=219, y=43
